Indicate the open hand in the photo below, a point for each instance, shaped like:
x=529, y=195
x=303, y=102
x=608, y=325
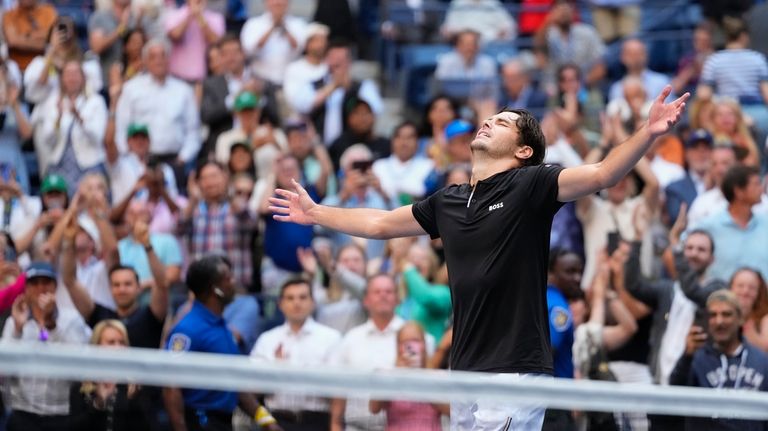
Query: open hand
x=663, y=116
x=293, y=207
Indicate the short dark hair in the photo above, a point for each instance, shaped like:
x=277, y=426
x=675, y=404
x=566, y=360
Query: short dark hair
x=404, y=124
x=204, y=273
x=555, y=254
x=706, y=234
x=294, y=281
x=737, y=177
x=229, y=38
x=121, y=267
x=530, y=134
x=205, y=163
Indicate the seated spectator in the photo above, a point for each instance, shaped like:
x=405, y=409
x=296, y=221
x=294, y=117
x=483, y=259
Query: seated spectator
x=16, y=129
x=728, y=126
x=438, y=113
x=698, y=153
x=359, y=121
x=518, y=91
x=634, y=57
x=426, y=301
x=488, y=18
x=109, y=405
x=331, y=94
x=273, y=39
x=723, y=158
x=616, y=19
x=26, y=30
x=704, y=362
x=109, y=36
x=690, y=65
x=739, y=232
x=315, y=163
x=738, y=72
x=191, y=28
x=35, y=402
x=214, y=223
x=589, y=103
x=310, y=68
x=360, y=188
x=403, y=173
x=163, y=103
x=574, y=42
x=301, y=342
x=143, y=322
x=265, y=140
x=134, y=253
x=38, y=216
x=406, y=415
x=69, y=128
x=466, y=62
x=43, y=75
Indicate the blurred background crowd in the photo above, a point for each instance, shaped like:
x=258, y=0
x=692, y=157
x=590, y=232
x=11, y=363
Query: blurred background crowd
x=140, y=141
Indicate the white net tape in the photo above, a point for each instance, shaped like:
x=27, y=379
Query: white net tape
x=240, y=373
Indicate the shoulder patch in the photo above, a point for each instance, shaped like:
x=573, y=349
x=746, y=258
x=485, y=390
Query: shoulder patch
x=179, y=343
x=560, y=318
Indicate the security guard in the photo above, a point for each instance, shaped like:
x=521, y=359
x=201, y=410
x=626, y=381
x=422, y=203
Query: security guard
x=203, y=329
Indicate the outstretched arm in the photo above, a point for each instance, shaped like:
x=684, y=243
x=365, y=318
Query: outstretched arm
x=584, y=180
x=298, y=207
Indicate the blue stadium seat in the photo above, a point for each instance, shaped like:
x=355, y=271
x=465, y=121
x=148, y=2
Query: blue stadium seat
x=418, y=63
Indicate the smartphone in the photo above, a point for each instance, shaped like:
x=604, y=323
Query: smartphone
x=5, y=172
x=614, y=238
x=362, y=165
x=414, y=353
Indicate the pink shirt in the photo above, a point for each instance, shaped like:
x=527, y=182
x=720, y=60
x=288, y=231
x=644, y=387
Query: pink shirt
x=412, y=415
x=187, y=60
x=9, y=293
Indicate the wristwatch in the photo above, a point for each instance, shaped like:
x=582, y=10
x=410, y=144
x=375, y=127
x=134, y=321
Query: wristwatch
x=148, y=248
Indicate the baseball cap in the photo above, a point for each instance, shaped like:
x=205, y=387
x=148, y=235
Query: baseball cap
x=317, y=29
x=53, y=183
x=456, y=128
x=294, y=124
x=246, y=100
x=699, y=135
x=41, y=269
x=137, y=129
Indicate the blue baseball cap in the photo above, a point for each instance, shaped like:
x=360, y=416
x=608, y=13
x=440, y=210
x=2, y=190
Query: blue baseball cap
x=41, y=269
x=699, y=135
x=458, y=127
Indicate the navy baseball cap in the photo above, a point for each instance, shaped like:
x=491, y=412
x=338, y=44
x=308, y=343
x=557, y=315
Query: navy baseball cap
x=41, y=269
x=699, y=135
x=458, y=127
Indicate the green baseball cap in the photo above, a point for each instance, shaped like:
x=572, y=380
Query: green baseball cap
x=53, y=183
x=246, y=100
x=137, y=129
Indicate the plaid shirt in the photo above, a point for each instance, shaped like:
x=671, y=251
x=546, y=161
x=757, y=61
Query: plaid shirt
x=219, y=230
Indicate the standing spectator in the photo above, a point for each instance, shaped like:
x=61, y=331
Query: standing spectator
x=690, y=66
x=518, y=91
x=740, y=234
x=634, y=57
x=166, y=105
x=16, y=129
x=131, y=62
x=191, y=29
x=438, y=113
x=359, y=128
x=563, y=282
x=26, y=29
x=310, y=68
x=212, y=223
x=273, y=39
x=37, y=217
x=403, y=173
x=301, y=342
x=43, y=75
x=616, y=19
x=729, y=127
x=708, y=355
x=488, y=18
x=711, y=201
x=107, y=31
x=750, y=289
x=69, y=128
x=698, y=152
x=315, y=163
x=738, y=72
x=40, y=403
x=465, y=61
x=569, y=41
x=331, y=94
x=203, y=329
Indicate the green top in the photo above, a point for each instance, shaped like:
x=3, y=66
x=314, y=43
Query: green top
x=428, y=304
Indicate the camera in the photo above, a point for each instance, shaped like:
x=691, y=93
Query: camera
x=63, y=29
x=362, y=165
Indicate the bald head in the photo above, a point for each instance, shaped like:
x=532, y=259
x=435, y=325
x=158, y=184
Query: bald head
x=514, y=78
x=634, y=56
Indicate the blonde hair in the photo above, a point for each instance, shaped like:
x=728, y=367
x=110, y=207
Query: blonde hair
x=100, y=327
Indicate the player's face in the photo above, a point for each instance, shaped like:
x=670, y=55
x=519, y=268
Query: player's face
x=498, y=136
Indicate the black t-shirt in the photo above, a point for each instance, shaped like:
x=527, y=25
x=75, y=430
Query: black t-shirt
x=144, y=329
x=497, y=247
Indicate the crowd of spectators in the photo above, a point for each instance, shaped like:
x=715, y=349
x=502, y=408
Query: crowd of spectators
x=137, y=162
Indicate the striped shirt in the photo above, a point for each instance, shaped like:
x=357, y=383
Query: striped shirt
x=736, y=73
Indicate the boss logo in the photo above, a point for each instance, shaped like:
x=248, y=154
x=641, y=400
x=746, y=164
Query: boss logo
x=496, y=206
